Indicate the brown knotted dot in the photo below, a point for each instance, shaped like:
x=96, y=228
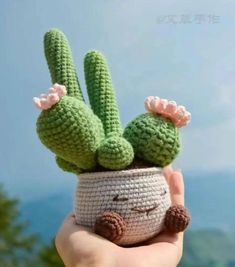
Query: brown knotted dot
x=110, y=225
x=177, y=219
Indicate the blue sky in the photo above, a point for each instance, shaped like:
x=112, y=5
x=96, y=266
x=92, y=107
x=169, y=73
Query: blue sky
x=192, y=63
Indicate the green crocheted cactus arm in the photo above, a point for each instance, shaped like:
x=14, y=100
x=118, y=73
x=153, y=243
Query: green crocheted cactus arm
x=67, y=166
x=101, y=93
x=115, y=152
x=69, y=128
x=155, y=139
x=60, y=62
x=72, y=131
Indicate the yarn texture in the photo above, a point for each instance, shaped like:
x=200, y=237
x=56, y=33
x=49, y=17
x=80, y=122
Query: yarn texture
x=85, y=137
x=141, y=197
x=60, y=62
x=122, y=193
x=177, y=218
x=115, y=152
x=154, y=138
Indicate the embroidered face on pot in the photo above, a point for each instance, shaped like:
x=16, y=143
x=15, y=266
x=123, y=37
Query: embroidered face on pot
x=141, y=192
x=143, y=209
x=137, y=199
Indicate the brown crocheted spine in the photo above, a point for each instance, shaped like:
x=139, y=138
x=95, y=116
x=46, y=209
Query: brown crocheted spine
x=177, y=219
x=110, y=225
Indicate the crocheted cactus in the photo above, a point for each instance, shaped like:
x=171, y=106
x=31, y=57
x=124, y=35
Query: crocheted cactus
x=60, y=62
x=126, y=206
x=84, y=138
x=154, y=138
x=69, y=128
x=81, y=137
x=115, y=152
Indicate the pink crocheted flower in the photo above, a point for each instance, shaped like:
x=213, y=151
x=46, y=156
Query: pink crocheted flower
x=55, y=93
x=168, y=109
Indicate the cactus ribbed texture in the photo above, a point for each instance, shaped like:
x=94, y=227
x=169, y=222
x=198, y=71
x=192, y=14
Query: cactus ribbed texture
x=101, y=92
x=71, y=131
x=154, y=139
x=67, y=166
x=60, y=62
x=84, y=138
x=115, y=152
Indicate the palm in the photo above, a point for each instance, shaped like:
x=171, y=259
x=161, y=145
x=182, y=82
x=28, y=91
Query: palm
x=88, y=249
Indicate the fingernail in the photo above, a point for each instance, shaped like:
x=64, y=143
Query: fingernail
x=168, y=167
x=179, y=170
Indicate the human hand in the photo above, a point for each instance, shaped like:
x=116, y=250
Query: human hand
x=78, y=246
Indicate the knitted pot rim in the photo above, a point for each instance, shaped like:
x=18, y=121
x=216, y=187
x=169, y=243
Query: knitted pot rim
x=122, y=173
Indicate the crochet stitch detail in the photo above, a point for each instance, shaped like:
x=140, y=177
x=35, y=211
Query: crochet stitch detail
x=55, y=93
x=154, y=138
x=60, y=62
x=168, y=109
x=144, y=202
x=89, y=138
x=122, y=193
x=177, y=219
x=110, y=225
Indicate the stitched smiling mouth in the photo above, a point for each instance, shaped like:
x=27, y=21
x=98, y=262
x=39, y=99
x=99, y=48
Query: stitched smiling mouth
x=143, y=210
x=137, y=209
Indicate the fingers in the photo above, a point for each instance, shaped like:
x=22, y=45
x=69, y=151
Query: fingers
x=70, y=216
x=69, y=227
x=176, y=184
x=164, y=241
x=168, y=171
x=75, y=243
x=70, y=233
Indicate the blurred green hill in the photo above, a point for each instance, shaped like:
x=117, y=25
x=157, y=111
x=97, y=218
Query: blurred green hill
x=208, y=248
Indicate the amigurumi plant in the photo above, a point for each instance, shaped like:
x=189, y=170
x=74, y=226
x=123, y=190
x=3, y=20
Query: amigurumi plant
x=122, y=193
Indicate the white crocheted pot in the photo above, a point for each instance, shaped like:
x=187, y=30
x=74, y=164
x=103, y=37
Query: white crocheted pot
x=130, y=203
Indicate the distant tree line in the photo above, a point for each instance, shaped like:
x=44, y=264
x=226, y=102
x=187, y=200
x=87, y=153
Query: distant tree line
x=17, y=248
